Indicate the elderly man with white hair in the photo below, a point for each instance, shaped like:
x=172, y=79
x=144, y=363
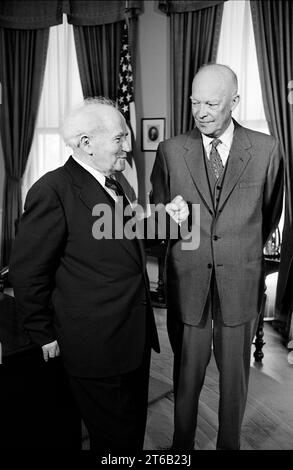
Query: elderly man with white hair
x=86, y=296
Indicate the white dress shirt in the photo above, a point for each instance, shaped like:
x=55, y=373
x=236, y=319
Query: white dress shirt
x=98, y=176
x=225, y=145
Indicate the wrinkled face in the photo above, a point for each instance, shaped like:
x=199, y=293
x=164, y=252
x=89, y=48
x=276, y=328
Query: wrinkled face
x=213, y=100
x=109, y=146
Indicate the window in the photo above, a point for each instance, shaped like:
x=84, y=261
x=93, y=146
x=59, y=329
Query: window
x=61, y=92
x=237, y=49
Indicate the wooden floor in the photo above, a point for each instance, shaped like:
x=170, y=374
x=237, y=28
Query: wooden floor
x=268, y=421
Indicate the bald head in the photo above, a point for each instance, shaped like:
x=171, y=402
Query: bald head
x=214, y=96
x=222, y=74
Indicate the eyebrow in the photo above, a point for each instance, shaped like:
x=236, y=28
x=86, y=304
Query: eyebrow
x=120, y=134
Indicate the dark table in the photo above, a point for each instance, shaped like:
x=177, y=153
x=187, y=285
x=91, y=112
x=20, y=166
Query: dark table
x=37, y=410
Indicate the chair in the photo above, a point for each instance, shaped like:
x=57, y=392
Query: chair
x=36, y=406
x=272, y=262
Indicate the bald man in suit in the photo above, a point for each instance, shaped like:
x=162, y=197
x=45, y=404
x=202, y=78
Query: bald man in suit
x=215, y=292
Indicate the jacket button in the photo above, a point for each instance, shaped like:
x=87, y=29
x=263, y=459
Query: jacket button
x=215, y=237
x=210, y=265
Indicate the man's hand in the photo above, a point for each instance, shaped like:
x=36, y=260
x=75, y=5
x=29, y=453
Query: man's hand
x=178, y=209
x=50, y=350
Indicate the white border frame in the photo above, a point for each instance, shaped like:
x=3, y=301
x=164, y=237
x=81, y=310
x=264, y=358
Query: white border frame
x=147, y=144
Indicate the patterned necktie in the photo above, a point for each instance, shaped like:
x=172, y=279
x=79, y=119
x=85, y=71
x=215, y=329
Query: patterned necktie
x=118, y=190
x=115, y=186
x=215, y=159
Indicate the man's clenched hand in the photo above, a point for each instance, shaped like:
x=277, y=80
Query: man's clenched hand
x=178, y=209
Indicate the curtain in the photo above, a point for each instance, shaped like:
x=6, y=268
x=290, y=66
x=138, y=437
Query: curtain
x=237, y=49
x=98, y=34
x=93, y=12
x=182, y=6
x=30, y=14
x=273, y=29
x=60, y=94
x=98, y=55
x=22, y=63
x=36, y=14
x=194, y=37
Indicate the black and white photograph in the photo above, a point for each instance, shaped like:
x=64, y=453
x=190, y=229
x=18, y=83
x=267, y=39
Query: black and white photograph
x=146, y=220
x=152, y=133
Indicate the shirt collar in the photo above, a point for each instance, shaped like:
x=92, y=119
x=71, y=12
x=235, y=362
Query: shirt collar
x=95, y=173
x=226, y=138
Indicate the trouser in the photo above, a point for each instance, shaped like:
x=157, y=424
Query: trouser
x=192, y=346
x=114, y=409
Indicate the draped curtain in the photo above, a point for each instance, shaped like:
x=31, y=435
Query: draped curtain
x=98, y=55
x=273, y=29
x=98, y=34
x=61, y=93
x=22, y=62
x=194, y=36
x=24, y=32
x=237, y=49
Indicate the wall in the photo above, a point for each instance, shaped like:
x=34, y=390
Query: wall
x=152, y=84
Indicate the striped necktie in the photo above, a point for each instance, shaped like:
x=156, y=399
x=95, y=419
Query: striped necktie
x=115, y=186
x=118, y=190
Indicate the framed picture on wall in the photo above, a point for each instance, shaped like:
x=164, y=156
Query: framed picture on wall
x=152, y=132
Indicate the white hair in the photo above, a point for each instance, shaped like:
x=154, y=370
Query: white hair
x=85, y=120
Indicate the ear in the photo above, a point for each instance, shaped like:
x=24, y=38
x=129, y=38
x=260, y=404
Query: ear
x=85, y=144
x=234, y=102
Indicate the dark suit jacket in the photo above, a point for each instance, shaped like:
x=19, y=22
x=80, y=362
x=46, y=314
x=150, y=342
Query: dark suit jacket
x=232, y=236
x=91, y=295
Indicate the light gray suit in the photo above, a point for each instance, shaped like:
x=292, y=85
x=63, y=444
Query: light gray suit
x=227, y=269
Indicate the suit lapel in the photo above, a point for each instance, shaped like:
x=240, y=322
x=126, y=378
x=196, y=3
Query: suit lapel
x=194, y=158
x=238, y=159
x=92, y=193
